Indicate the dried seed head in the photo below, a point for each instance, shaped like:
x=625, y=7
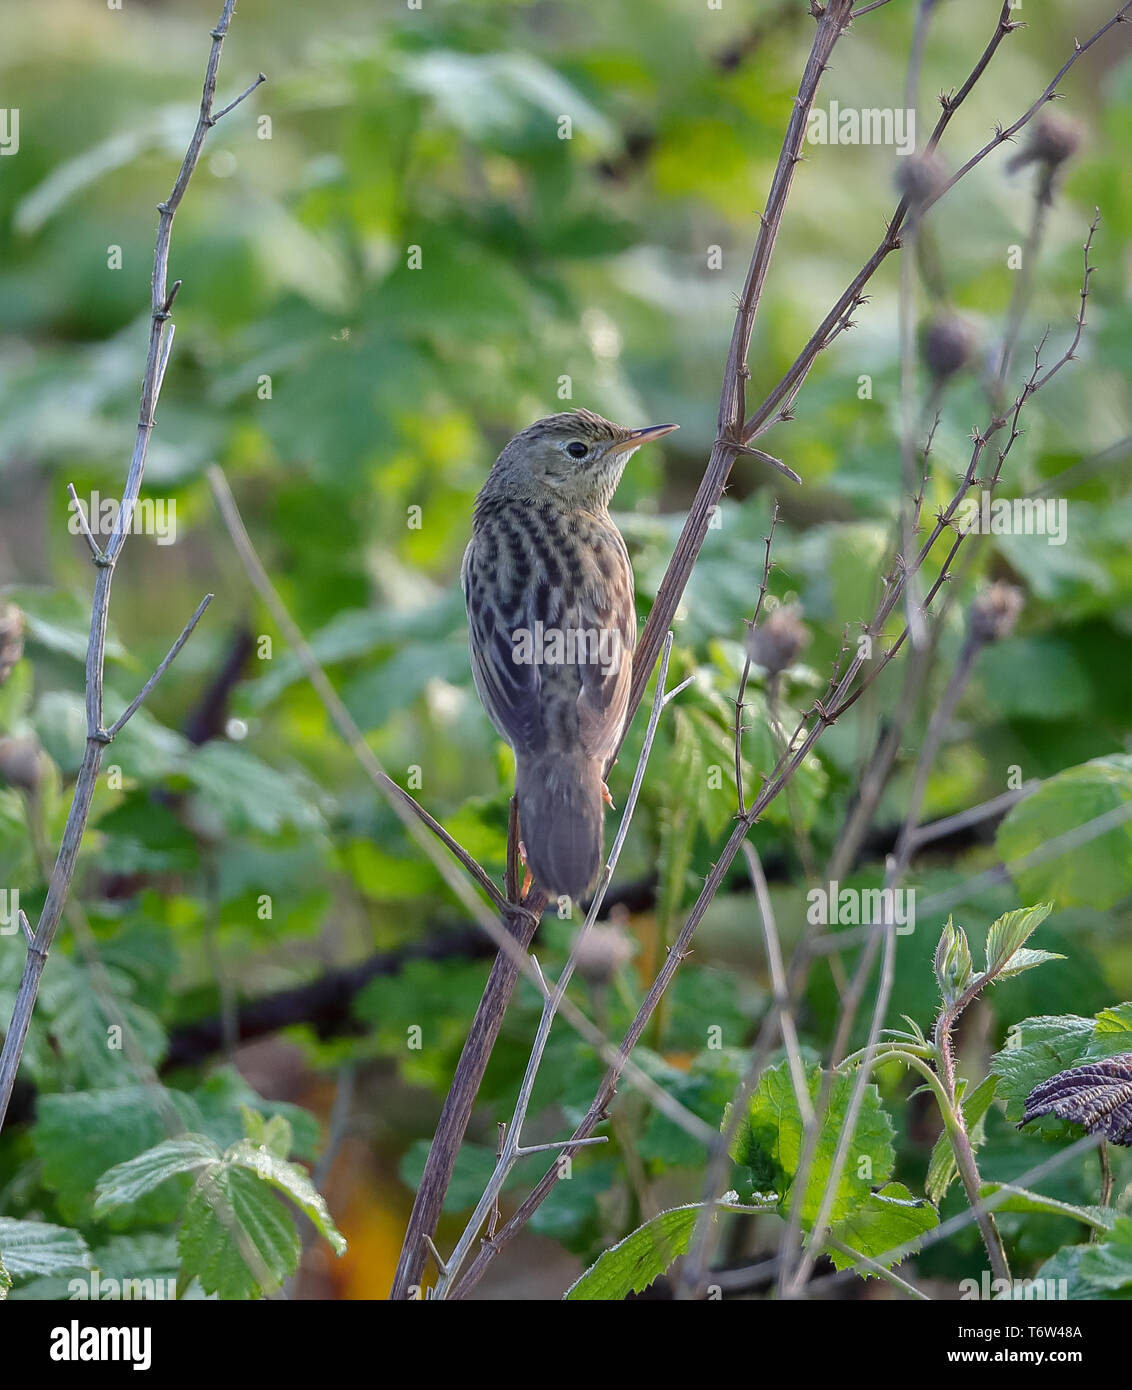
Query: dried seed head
x=602, y=952
x=21, y=763
x=11, y=638
x=949, y=344
x=994, y=612
x=920, y=178
x=1053, y=138
x=779, y=640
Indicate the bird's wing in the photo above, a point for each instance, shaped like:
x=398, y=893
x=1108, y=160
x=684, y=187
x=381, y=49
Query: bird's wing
x=510, y=691
x=607, y=607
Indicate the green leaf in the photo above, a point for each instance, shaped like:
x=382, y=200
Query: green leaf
x=485, y=95
x=886, y=1220
x=1061, y=1277
x=1023, y=1200
x=1101, y=1271
x=1094, y=873
x=256, y=1253
x=145, y=749
x=245, y=794
x=59, y=621
x=393, y=1004
x=1034, y=678
x=273, y=1134
x=701, y=998
x=128, y=1181
x=705, y=1087
x=32, y=1248
x=143, y=1265
x=292, y=1181
x=82, y=1006
x=15, y=696
x=165, y=131
x=77, y=1137
x=142, y=1255
x=1025, y=959
x=941, y=1165
x=236, y=1237
x=1108, y=1266
x=633, y=1263
x=1009, y=934
x=572, y=1214
x=222, y=1101
x=952, y=962
x=770, y=1138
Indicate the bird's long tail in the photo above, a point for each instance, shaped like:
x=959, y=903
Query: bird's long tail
x=560, y=820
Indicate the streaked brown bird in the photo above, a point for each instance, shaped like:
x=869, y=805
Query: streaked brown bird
x=552, y=624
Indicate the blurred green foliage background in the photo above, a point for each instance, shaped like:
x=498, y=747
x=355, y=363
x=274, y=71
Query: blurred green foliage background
x=340, y=390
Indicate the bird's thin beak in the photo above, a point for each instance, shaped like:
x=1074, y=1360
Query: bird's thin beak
x=638, y=437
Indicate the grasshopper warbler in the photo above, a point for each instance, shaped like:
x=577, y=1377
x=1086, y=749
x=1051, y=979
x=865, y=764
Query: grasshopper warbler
x=552, y=625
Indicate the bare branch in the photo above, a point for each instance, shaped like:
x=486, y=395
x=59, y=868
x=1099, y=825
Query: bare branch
x=699, y=1252
x=242, y=97
x=60, y=883
x=1050, y=94
x=787, y=388
x=739, y=706
x=841, y=700
x=167, y=661
x=831, y=24
x=77, y=507
x=948, y=825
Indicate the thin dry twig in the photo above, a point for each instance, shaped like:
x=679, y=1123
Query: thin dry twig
x=730, y=435
x=792, y=1282
x=170, y=656
x=775, y=408
x=700, y=1249
x=768, y=539
x=105, y=560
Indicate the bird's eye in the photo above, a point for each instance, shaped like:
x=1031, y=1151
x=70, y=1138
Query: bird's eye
x=576, y=449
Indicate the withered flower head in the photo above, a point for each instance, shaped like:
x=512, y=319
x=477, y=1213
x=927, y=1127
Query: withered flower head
x=779, y=640
x=995, y=611
x=921, y=177
x=602, y=952
x=949, y=344
x=1053, y=138
x=21, y=763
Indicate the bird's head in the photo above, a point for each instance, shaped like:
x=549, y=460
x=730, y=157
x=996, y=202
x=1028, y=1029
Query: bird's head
x=575, y=458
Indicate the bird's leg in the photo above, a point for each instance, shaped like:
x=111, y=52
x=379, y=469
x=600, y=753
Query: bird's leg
x=605, y=796
x=528, y=877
